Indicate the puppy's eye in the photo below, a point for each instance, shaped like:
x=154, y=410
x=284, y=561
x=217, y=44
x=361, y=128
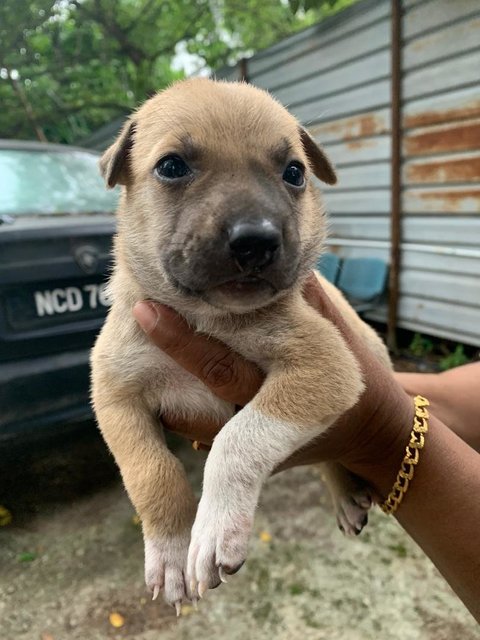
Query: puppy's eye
x=294, y=174
x=172, y=168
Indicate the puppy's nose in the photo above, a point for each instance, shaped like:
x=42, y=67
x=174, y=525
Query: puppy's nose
x=254, y=243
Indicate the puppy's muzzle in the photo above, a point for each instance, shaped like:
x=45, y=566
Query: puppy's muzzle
x=254, y=244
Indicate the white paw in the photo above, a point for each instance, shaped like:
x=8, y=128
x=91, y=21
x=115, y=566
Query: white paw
x=352, y=510
x=218, y=546
x=165, y=568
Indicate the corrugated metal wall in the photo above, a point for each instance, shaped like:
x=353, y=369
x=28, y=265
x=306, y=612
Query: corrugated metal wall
x=441, y=167
x=335, y=77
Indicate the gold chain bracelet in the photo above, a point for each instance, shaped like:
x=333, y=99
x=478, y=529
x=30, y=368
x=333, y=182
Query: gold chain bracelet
x=412, y=456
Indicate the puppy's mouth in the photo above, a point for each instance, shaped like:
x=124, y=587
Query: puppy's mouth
x=244, y=286
x=234, y=292
x=241, y=294
x=238, y=294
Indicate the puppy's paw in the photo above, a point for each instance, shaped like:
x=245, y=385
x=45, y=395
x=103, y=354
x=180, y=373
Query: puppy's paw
x=218, y=547
x=351, y=497
x=165, y=568
x=352, y=510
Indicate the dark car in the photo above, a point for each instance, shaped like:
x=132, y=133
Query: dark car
x=56, y=226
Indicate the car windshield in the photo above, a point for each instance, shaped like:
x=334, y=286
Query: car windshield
x=47, y=182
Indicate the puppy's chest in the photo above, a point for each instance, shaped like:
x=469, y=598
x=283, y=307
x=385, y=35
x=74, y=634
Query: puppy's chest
x=258, y=343
x=171, y=389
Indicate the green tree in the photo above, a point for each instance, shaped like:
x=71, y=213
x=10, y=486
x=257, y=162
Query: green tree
x=16, y=24
x=68, y=66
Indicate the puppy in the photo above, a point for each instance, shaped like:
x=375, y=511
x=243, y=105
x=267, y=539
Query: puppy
x=220, y=220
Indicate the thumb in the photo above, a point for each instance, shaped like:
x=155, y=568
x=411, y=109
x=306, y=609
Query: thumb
x=225, y=372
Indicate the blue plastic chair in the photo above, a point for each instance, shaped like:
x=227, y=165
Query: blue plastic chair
x=363, y=280
x=329, y=265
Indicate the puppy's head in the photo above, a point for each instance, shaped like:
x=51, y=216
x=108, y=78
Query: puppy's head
x=218, y=201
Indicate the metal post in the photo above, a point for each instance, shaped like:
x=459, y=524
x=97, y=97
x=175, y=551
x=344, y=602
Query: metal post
x=243, y=70
x=395, y=220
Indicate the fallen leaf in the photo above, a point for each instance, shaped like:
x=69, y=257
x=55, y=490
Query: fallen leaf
x=5, y=516
x=46, y=636
x=116, y=620
x=136, y=520
x=265, y=536
x=187, y=609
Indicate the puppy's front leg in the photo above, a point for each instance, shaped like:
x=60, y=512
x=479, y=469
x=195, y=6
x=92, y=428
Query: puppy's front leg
x=156, y=483
x=302, y=396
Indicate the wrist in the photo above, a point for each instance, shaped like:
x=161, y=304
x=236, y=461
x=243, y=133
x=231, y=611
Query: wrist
x=381, y=447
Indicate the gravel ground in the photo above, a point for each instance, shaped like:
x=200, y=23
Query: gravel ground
x=72, y=557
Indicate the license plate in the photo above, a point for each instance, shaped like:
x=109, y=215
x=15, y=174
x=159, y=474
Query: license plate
x=35, y=307
x=60, y=300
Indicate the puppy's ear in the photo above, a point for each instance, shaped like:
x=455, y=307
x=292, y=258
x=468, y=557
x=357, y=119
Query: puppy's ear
x=321, y=165
x=114, y=162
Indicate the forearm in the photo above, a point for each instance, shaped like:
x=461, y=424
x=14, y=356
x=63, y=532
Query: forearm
x=454, y=396
x=441, y=509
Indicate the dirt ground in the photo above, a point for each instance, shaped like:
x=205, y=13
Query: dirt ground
x=73, y=556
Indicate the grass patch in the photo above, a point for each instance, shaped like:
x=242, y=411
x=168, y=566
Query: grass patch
x=399, y=549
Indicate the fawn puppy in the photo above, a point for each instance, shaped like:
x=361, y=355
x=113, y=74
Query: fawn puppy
x=220, y=220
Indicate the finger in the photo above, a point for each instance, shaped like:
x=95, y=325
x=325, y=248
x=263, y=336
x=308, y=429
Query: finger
x=226, y=373
x=201, y=429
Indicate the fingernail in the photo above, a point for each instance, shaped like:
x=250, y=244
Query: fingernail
x=147, y=316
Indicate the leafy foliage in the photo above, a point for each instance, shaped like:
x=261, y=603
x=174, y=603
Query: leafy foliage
x=442, y=352
x=68, y=66
x=420, y=346
x=454, y=359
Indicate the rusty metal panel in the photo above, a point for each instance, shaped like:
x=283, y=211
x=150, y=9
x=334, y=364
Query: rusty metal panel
x=358, y=126
x=460, y=135
x=464, y=168
x=447, y=107
x=425, y=16
x=442, y=200
x=359, y=151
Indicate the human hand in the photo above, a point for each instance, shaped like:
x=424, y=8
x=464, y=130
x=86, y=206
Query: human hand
x=373, y=432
